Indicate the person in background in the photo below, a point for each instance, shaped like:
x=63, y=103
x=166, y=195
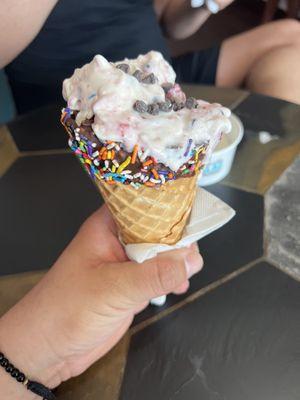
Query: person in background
x=83, y=306
x=43, y=41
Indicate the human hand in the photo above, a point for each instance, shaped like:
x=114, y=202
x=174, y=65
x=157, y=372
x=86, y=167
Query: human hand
x=87, y=301
x=223, y=3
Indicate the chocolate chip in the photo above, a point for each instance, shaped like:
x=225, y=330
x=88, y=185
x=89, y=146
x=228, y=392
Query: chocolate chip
x=140, y=106
x=153, y=109
x=178, y=106
x=123, y=67
x=151, y=78
x=138, y=75
x=167, y=86
x=191, y=103
x=165, y=105
x=122, y=155
x=87, y=122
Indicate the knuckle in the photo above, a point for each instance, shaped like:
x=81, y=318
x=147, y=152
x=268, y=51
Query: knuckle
x=166, y=275
x=195, y=249
x=289, y=26
x=291, y=23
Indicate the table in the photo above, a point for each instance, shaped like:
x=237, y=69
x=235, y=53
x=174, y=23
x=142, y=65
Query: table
x=235, y=334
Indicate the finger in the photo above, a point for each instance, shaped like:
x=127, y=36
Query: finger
x=106, y=217
x=195, y=260
x=194, y=246
x=102, y=221
x=97, y=239
x=141, y=307
x=183, y=288
x=160, y=275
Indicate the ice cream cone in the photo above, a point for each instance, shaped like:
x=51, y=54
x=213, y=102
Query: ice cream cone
x=150, y=215
x=141, y=141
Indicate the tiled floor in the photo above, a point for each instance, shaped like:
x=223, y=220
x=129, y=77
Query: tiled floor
x=235, y=334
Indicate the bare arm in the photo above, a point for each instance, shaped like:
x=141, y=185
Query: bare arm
x=21, y=21
x=179, y=19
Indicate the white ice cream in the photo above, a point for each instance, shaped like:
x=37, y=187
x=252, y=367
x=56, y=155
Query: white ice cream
x=101, y=90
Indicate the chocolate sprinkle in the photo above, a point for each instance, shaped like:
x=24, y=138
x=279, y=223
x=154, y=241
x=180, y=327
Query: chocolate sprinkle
x=138, y=75
x=178, y=106
x=102, y=166
x=165, y=106
x=151, y=79
x=153, y=109
x=140, y=106
x=191, y=103
x=123, y=67
x=167, y=86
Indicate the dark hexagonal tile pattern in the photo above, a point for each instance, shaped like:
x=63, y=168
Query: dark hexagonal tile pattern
x=257, y=166
x=263, y=113
x=39, y=130
x=282, y=219
x=229, y=248
x=239, y=341
x=44, y=200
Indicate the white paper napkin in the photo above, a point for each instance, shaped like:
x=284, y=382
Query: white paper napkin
x=209, y=213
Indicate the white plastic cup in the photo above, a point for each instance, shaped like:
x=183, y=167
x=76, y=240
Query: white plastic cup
x=221, y=160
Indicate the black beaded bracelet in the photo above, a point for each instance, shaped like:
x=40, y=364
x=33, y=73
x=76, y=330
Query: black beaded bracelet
x=35, y=387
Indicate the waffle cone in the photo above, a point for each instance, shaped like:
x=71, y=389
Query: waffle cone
x=150, y=215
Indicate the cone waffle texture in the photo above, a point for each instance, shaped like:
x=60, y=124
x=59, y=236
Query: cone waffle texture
x=150, y=215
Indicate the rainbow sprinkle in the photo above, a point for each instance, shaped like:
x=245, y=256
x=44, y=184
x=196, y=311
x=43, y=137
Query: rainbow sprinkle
x=134, y=154
x=155, y=174
x=124, y=164
x=189, y=145
x=105, y=161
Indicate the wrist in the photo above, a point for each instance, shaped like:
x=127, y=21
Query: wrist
x=27, y=350
x=10, y=389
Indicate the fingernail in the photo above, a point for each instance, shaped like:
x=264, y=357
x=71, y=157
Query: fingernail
x=193, y=263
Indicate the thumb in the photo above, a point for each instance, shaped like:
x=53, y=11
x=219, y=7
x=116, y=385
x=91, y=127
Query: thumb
x=159, y=275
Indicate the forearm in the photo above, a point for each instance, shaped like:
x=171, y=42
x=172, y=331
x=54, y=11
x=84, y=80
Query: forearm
x=21, y=20
x=180, y=20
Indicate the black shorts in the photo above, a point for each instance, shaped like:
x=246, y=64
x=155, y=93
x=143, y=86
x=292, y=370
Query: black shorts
x=197, y=67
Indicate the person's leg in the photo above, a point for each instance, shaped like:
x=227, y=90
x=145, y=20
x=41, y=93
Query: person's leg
x=277, y=74
x=266, y=59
